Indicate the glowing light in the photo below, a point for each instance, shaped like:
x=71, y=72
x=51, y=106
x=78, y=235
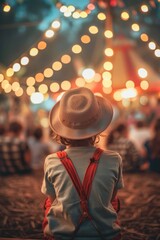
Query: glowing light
x=125, y=102
x=83, y=14
x=91, y=6
x=71, y=8
x=24, y=60
x=144, y=8
x=67, y=13
x=76, y=49
x=93, y=30
x=49, y=33
x=101, y=16
x=124, y=16
x=63, y=9
x=135, y=27
x=108, y=66
x=6, y=8
x=80, y=82
x=117, y=96
x=97, y=77
x=108, y=34
x=106, y=83
x=144, y=85
x=8, y=89
x=37, y=98
x=142, y=72
x=76, y=15
x=56, y=24
x=19, y=93
x=109, y=52
x=30, y=81
x=88, y=73
x=33, y=52
x=144, y=37
x=43, y=88
x=15, y=86
x=48, y=72
x=152, y=45
x=39, y=77
x=143, y=100
x=157, y=52
x=54, y=87
x=9, y=72
x=106, y=75
x=16, y=67
x=65, y=85
x=85, y=39
x=129, y=93
x=60, y=96
x=30, y=90
x=42, y=45
x=65, y=59
x=5, y=84
x=1, y=77
x=130, y=84
x=57, y=66
x=107, y=90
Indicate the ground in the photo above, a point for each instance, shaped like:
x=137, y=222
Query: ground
x=21, y=206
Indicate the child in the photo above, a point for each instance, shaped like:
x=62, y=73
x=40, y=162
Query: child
x=81, y=183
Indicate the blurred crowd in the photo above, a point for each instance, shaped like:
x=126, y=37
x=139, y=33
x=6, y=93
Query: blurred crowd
x=23, y=149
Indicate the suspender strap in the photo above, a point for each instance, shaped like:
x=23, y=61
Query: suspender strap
x=84, y=189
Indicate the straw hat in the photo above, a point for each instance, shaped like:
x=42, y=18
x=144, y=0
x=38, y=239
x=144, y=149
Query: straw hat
x=80, y=114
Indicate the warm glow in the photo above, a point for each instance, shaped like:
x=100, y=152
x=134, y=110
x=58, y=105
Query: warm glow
x=16, y=67
x=42, y=45
x=157, y=52
x=144, y=37
x=8, y=89
x=108, y=66
x=9, y=72
x=67, y=13
x=15, y=86
x=144, y=8
x=97, y=77
x=5, y=84
x=85, y=39
x=48, y=72
x=142, y=72
x=49, y=33
x=109, y=52
x=65, y=85
x=56, y=24
x=76, y=49
x=43, y=88
x=83, y=14
x=19, y=93
x=106, y=75
x=54, y=87
x=6, y=8
x=33, y=52
x=63, y=9
x=24, y=60
x=30, y=90
x=143, y=100
x=88, y=73
x=135, y=27
x=80, y=82
x=37, y=98
x=130, y=84
x=65, y=59
x=106, y=83
x=1, y=77
x=93, y=30
x=129, y=93
x=107, y=90
x=71, y=8
x=124, y=16
x=91, y=6
x=117, y=96
x=108, y=34
x=30, y=81
x=152, y=45
x=144, y=85
x=76, y=15
x=57, y=66
x=101, y=16
x=39, y=77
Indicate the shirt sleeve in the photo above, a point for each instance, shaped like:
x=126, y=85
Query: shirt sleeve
x=120, y=181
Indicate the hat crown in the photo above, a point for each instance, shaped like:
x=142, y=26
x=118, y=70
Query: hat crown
x=78, y=108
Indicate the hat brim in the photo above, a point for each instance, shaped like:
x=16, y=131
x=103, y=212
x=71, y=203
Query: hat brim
x=106, y=114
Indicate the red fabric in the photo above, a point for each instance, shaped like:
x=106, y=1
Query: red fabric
x=47, y=205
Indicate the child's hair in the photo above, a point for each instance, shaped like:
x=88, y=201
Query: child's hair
x=68, y=142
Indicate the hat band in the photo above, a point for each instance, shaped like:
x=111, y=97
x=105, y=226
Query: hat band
x=82, y=124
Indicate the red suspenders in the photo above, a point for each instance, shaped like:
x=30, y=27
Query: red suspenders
x=83, y=189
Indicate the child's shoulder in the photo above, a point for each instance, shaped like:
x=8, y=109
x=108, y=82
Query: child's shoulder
x=113, y=155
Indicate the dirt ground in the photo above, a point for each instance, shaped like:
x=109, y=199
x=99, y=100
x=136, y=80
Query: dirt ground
x=21, y=206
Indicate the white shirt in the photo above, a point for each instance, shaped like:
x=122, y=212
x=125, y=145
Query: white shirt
x=65, y=210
